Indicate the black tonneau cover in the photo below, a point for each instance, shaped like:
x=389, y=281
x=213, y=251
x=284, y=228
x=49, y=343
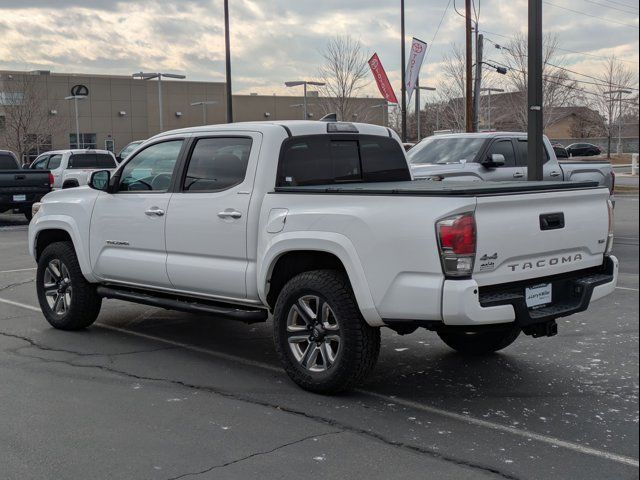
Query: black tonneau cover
x=437, y=189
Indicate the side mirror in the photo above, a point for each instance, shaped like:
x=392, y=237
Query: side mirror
x=494, y=161
x=99, y=180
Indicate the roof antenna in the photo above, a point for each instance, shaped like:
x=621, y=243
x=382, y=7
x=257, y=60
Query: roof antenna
x=331, y=117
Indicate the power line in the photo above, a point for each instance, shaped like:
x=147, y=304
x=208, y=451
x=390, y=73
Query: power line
x=602, y=19
x=611, y=7
x=588, y=54
x=433, y=39
x=622, y=3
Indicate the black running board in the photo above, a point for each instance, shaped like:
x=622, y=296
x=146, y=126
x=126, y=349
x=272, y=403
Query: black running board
x=185, y=304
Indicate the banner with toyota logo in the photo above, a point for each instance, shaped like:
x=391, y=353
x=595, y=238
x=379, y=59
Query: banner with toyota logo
x=418, y=50
x=384, y=85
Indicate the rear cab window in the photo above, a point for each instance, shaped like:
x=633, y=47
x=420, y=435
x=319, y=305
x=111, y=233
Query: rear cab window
x=7, y=162
x=91, y=161
x=342, y=158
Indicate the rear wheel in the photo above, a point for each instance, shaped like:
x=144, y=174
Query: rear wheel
x=480, y=343
x=66, y=299
x=28, y=215
x=321, y=338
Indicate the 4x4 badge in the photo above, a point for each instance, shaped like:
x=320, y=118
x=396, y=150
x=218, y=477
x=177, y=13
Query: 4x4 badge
x=489, y=257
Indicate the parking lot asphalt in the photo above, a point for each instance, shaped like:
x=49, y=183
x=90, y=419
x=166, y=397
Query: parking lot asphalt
x=149, y=393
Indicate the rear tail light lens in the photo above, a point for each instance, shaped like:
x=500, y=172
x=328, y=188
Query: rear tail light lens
x=609, y=247
x=50, y=179
x=457, y=243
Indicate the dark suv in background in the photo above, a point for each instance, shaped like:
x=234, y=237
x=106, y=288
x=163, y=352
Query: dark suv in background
x=583, y=150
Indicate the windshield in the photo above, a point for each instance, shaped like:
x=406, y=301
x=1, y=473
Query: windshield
x=443, y=150
x=126, y=151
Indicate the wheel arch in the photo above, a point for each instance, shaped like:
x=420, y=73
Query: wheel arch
x=288, y=257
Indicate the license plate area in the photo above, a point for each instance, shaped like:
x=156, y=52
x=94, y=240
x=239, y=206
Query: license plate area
x=538, y=295
x=19, y=198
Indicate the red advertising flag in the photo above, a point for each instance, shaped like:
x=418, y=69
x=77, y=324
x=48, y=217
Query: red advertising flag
x=381, y=79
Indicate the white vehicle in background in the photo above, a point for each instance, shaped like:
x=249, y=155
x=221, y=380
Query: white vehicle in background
x=128, y=150
x=72, y=168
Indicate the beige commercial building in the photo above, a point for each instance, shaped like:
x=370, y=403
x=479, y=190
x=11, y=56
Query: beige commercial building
x=120, y=109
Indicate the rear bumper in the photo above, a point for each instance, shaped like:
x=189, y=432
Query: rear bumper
x=7, y=201
x=464, y=303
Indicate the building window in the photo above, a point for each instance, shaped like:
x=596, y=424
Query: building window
x=11, y=98
x=87, y=140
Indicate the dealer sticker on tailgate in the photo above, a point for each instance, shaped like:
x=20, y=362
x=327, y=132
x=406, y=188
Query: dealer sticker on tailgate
x=538, y=295
x=19, y=198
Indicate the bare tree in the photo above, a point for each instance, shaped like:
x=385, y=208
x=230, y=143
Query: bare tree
x=558, y=88
x=345, y=73
x=450, y=91
x=615, y=76
x=25, y=110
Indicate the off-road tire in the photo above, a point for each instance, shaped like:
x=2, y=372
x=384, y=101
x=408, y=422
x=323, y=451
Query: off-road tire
x=85, y=303
x=359, y=342
x=480, y=343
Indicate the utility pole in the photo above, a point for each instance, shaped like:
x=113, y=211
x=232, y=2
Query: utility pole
x=227, y=54
x=535, y=146
x=478, y=86
x=469, y=70
x=403, y=112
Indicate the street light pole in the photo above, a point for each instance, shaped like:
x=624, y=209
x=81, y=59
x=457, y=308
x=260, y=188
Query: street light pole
x=304, y=83
x=204, y=104
x=418, y=88
x=227, y=55
x=158, y=75
x=620, y=93
x=535, y=146
x=75, y=99
x=488, y=89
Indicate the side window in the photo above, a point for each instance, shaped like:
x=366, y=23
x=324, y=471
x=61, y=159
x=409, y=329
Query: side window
x=40, y=164
x=54, y=162
x=217, y=164
x=504, y=147
x=523, y=153
x=151, y=170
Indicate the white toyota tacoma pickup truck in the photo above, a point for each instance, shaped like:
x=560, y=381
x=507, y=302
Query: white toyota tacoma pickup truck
x=320, y=227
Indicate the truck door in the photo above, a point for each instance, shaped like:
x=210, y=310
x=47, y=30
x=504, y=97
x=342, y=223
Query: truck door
x=127, y=237
x=207, y=225
x=510, y=171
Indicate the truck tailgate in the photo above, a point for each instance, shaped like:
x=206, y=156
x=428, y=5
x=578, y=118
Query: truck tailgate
x=524, y=236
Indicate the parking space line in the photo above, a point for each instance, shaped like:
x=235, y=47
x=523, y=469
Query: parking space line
x=627, y=288
x=379, y=396
x=18, y=270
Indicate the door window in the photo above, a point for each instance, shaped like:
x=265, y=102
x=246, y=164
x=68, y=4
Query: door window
x=151, y=170
x=523, y=152
x=505, y=148
x=54, y=162
x=217, y=164
x=40, y=164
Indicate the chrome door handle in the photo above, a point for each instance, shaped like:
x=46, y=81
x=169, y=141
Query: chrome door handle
x=555, y=174
x=229, y=213
x=518, y=175
x=154, y=212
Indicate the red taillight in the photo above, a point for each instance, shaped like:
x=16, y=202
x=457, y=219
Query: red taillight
x=457, y=242
x=51, y=179
x=458, y=234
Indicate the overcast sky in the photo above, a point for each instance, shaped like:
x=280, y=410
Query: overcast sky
x=278, y=40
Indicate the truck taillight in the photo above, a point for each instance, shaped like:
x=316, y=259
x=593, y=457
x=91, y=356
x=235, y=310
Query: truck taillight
x=609, y=247
x=457, y=243
x=51, y=179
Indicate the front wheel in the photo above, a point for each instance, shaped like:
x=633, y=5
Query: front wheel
x=480, y=343
x=321, y=338
x=66, y=299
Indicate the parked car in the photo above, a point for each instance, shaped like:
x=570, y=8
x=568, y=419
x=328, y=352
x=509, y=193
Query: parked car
x=128, y=150
x=496, y=156
x=583, y=150
x=20, y=189
x=71, y=168
x=560, y=151
x=320, y=225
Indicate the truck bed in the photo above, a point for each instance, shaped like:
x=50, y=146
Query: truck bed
x=438, y=189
